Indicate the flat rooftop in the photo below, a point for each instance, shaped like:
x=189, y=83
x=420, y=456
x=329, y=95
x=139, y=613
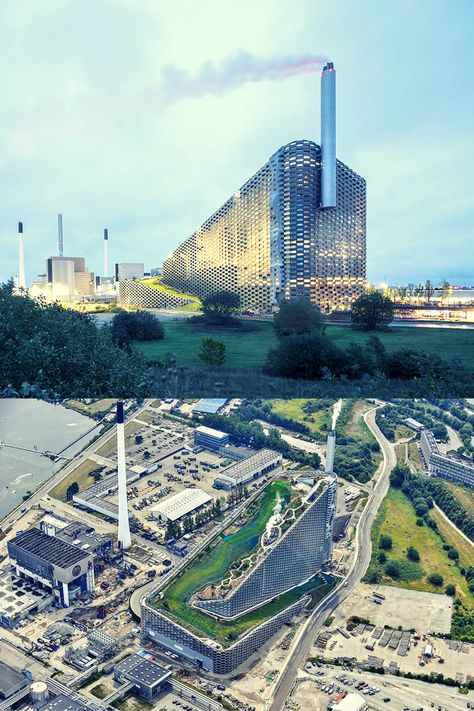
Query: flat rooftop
x=257, y=460
x=209, y=405
x=11, y=681
x=143, y=670
x=202, y=429
x=182, y=503
x=48, y=548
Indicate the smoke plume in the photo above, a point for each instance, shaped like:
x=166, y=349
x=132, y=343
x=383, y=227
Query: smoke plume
x=239, y=69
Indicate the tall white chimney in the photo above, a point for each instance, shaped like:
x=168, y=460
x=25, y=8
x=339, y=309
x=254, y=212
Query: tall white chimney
x=21, y=258
x=328, y=136
x=331, y=447
x=124, y=538
x=60, y=236
x=106, y=252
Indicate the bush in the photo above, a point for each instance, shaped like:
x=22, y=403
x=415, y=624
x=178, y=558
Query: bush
x=221, y=307
x=211, y=351
x=385, y=542
x=136, y=326
x=296, y=317
x=382, y=557
x=412, y=554
x=450, y=590
x=436, y=579
x=372, y=311
x=392, y=569
x=307, y=357
x=453, y=554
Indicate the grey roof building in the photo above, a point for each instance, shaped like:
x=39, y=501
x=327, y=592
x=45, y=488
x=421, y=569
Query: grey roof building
x=149, y=677
x=11, y=681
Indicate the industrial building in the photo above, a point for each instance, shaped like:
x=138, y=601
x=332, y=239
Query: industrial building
x=129, y=270
x=292, y=550
x=80, y=535
x=459, y=471
x=68, y=279
x=210, y=439
x=11, y=682
x=52, y=564
x=209, y=405
x=248, y=469
x=43, y=695
x=184, y=503
x=147, y=676
x=296, y=228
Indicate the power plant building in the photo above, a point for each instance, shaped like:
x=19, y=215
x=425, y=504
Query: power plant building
x=294, y=548
x=248, y=469
x=67, y=279
x=210, y=438
x=296, y=228
x=52, y=564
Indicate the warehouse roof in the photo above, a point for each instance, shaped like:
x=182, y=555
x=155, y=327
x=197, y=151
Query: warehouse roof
x=209, y=405
x=211, y=432
x=351, y=702
x=180, y=504
x=48, y=548
x=10, y=681
x=142, y=670
x=240, y=470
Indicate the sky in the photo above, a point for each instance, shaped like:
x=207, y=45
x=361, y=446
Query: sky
x=144, y=116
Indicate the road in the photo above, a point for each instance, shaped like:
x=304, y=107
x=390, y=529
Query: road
x=35, y=498
x=302, y=648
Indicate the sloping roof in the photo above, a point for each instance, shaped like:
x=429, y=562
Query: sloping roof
x=48, y=548
x=182, y=503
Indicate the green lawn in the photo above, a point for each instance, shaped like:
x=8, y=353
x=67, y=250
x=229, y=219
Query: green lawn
x=464, y=495
x=464, y=547
x=292, y=409
x=81, y=474
x=246, y=348
x=397, y=519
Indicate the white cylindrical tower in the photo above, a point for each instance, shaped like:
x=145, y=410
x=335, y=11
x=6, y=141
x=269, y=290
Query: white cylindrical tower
x=124, y=539
x=21, y=258
x=331, y=447
x=39, y=692
x=60, y=236
x=106, y=252
x=328, y=136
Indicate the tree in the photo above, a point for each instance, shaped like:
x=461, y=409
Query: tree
x=453, y=554
x=412, y=554
x=221, y=307
x=382, y=557
x=72, y=489
x=49, y=352
x=450, y=590
x=211, y=351
x=372, y=311
x=138, y=439
x=385, y=542
x=310, y=356
x=429, y=290
x=446, y=288
x=297, y=316
x=136, y=326
x=436, y=579
x=398, y=475
x=392, y=569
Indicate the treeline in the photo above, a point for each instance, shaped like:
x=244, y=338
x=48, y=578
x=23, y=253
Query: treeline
x=51, y=352
x=251, y=434
x=389, y=417
x=261, y=410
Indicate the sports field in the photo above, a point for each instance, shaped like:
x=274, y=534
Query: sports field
x=246, y=348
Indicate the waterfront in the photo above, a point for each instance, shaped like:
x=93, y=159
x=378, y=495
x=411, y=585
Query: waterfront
x=33, y=424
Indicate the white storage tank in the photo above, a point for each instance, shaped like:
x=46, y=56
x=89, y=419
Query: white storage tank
x=39, y=692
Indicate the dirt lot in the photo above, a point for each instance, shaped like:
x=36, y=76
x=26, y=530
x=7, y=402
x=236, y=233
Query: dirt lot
x=424, y=612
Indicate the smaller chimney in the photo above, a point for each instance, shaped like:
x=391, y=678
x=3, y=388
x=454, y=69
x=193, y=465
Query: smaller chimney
x=60, y=236
x=330, y=450
x=106, y=252
x=21, y=258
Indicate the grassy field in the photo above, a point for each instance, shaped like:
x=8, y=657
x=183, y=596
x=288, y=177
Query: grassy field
x=464, y=547
x=213, y=566
x=464, y=495
x=397, y=519
x=292, y=409
x=79, y=474
x=92, y=408
x=156, y=283
x=246, y=348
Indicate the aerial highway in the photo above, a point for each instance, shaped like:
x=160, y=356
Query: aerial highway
x=302, y=648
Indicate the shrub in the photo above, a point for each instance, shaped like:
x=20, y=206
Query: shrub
x=296, y=317
x=436, y=579
x=393, y=570
x=136, y=326
x=450, y=590
x=412, y=554
x=385, y=542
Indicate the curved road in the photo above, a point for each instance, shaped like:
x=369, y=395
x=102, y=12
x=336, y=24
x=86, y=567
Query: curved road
x=302, y=649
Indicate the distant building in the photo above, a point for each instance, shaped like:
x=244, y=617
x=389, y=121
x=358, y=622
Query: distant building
x=182, y=504
x=209, y=438
x=129, y=270
x=351, y=702
x=457, y=470
x=209, y=405
x=68, y=279
x=133, y=294
x=248, y=469
x=64, y=569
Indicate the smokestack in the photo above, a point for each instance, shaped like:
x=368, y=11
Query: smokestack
x=106, y=252
x=328, y=136
x=124, y=539
x=60, y=236
x=331, y=446
x=21, y=258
